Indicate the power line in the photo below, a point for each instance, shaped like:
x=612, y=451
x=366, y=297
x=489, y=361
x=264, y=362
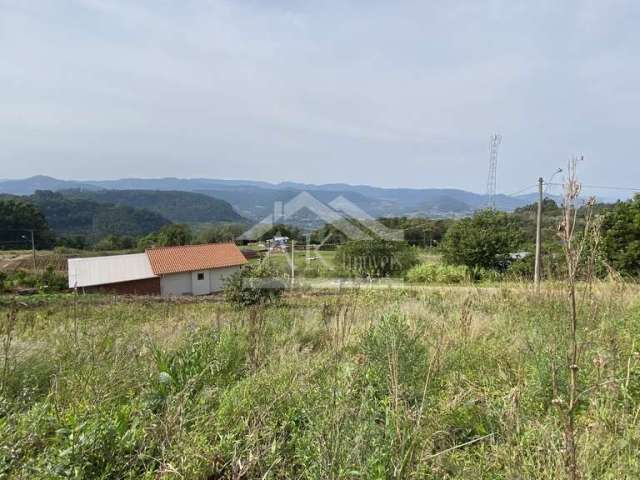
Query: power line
x=604, y=187
x=521, y=191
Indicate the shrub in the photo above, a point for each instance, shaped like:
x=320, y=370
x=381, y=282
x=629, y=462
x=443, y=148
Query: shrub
x=392, y=343
x=375, y=258
x=435, y=273
x=52, y=280
x=522, y=268
x=254, y=285
x=485, y=275
x=49, y=279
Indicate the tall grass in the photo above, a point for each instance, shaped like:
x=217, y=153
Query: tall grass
x=370, y=384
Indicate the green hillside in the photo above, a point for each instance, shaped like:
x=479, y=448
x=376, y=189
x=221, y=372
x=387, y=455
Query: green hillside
x=182, y=207
x=83, y=216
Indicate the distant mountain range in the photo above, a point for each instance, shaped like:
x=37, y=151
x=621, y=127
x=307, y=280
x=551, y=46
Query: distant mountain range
x=254, y=200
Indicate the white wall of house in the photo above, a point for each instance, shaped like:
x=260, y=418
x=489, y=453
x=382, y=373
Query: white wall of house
x=199, y=282
x=176, y=284
x=219, y=275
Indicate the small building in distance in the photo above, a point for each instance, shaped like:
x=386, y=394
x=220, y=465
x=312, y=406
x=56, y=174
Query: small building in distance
x=278, y=243
x=166, y=271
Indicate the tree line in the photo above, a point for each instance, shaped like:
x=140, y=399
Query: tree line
x=489, y=239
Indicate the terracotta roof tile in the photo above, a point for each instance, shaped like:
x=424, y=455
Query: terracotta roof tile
x=194, y=257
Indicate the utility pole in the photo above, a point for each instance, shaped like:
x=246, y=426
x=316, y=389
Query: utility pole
x=293, y=262
x=538, y=265
x=33, y=250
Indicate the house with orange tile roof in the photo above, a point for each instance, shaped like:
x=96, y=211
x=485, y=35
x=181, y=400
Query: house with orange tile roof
x=166, y=271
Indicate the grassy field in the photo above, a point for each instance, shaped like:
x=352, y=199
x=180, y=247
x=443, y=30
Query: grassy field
x=441, y=383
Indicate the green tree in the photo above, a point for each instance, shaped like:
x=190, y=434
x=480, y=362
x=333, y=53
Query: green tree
x=148, y=241
x=226, y=232
x=375, y=258
x=78, y=242
x=174, y=234
x=483, y=240
x=329, y=234
x=115, y=242
x=621, y=236
x=17, y=217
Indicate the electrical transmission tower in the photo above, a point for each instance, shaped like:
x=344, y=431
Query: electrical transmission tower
x=493, y=166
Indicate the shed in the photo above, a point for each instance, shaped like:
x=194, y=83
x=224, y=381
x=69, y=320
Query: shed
x=167, y=271
x=195, y=269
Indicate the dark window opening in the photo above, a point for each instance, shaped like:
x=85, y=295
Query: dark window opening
x=201, y=276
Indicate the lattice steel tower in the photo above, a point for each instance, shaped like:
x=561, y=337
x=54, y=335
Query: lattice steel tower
x=494, y=144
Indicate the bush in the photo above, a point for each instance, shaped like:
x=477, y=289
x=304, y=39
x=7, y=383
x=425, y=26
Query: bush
x=392, y=338
x=375, y=258
x=49, y=280
x=254, y=285
x=522, y=268
x=485, y=275
x=435, y=273
x=52, y=280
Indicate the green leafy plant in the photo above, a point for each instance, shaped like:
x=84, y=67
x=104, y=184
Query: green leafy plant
x=254, y=285
x=437, y=273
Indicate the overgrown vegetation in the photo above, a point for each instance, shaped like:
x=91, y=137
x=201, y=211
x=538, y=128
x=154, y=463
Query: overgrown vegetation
x=438, y=273
x=47, y=280
x=369, y=384
x=258, y=284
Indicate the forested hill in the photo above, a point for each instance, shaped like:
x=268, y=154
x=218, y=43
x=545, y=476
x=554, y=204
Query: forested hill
x=95, y=219
x=180, y=207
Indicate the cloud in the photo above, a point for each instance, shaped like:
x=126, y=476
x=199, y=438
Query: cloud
x=383, y=92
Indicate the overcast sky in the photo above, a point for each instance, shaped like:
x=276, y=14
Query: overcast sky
x=389, y=93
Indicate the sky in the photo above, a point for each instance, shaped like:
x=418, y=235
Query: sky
x=395, y=94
